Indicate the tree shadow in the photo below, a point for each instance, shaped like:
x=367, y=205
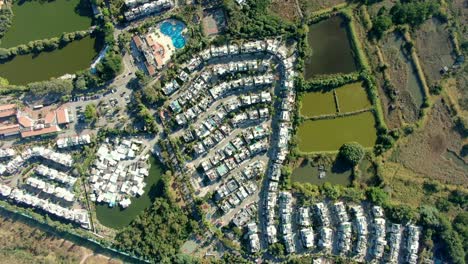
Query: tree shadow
x=340, y=166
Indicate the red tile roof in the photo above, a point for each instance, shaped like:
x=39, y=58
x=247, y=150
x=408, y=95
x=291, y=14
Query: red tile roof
x=62, y=116
x=49, y=118
x=7, y=113
x=38, y=132
x=7, y=107
x=150, y=68
x=9, y=129
x=137, y=41
x=25, y=121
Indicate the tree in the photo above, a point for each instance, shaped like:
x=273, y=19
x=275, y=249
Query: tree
x=109, y=66
x=158, y=233
x=90, y=113
x=52, y=87
x=413, y=13
x=352, y=153
x=377, y=196
x=380, y=24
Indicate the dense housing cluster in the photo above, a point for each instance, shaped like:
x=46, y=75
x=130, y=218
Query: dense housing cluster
x=119, y=171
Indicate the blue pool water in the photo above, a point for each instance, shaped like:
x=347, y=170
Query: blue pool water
x=173, y=29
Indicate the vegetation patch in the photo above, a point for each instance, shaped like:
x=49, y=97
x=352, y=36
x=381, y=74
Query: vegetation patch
x=423, y=151
x=286, y=9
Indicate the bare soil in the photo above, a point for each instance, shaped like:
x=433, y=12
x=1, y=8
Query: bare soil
x=286, y=9
x=424, y=152
x=434, y=48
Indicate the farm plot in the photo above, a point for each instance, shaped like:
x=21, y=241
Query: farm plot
x=425, y=151
x=434, y=49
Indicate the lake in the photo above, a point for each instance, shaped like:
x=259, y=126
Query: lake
x=331, y=48
x=352, y=97
x=331, y=134
x=34, y=20
x=116, y=217
x=338, y=173
x=77, y=55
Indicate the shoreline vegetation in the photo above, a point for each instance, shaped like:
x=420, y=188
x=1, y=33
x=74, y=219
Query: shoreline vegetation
x=38, y=46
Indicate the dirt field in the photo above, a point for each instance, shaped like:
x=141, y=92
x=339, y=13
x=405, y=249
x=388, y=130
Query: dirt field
x=434, y=49
x=308, y=6
x=286, y=9
x=426, y=151
x=20, y=243
x=214, y=21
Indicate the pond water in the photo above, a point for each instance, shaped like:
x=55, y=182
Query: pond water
x=331, y=134
x=331, y=49
x=173, y=29
x=23, y=69
x=116, y=217
x=352, y=97
x=34, y=19
x=338, y=173
x=317, y=103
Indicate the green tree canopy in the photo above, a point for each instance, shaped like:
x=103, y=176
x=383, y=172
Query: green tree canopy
x=352, y=153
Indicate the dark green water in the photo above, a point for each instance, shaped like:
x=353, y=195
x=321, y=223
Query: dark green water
x=338, y=173
x=352, y=97
x=331, y=49
x=36, y=19
x=23, y=69
x=116, y=217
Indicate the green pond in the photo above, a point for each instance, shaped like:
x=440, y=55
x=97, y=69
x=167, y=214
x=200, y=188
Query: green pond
x=116, y=217
x=331, y=48
x=317, y=103
x=338, y=173
x=331, y=134
x=77, y=55
x=352, y=97
x=34, y=20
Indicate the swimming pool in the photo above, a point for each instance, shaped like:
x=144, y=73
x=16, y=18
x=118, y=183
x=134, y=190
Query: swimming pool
x=173, y=29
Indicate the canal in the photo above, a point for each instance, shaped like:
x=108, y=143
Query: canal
x=331, y=48
x=116, y=217
x=77, y=55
